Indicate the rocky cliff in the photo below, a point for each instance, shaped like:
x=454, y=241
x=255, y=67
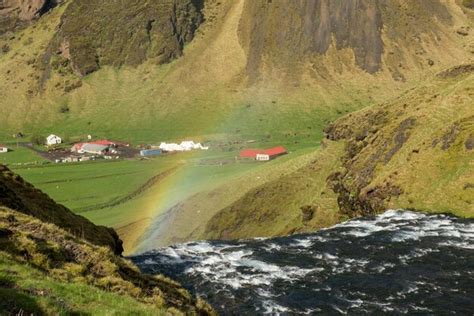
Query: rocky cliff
x=95, y=33
x=17, y=13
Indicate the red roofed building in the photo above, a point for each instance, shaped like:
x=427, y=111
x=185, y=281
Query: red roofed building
x=103, y=142
x=251, y=153
x=263, y=155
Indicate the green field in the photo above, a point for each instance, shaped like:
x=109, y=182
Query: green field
x=129, y=194
x=20, y=155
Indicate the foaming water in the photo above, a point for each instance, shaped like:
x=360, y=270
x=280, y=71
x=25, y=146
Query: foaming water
x=400, y=262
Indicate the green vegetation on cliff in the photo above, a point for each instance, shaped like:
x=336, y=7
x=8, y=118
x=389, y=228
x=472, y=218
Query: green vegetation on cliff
x=45, y=270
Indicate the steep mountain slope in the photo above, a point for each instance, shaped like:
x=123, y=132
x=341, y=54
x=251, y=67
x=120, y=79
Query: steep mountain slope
x=19, y=195
x=413, y=152
x=256, y=67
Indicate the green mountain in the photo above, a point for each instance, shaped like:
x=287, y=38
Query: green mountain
x=372, y=99
x=227, y=67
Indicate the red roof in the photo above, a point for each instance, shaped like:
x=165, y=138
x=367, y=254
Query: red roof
x=251, y=153
x=275, y=151
x=272, y=152
x=103, y=142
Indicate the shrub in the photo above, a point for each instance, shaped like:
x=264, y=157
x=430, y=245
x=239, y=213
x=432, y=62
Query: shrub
x=37, y=139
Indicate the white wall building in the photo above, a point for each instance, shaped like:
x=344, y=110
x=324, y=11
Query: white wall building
x=53, y=140
x=184, y=146
x=3, y=149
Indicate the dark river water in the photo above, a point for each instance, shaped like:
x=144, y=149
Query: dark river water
x=400, y=262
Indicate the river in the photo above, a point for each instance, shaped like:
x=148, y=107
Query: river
x=400, y=262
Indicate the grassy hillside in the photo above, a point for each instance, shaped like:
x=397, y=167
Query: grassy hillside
x=413, y=152
x=211, y=91
x=44, y=270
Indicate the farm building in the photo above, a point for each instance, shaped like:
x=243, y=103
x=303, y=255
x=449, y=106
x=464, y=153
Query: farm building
x=150, y=152
x=3, y=149
x=53, y=140
x=94, y=149
x=77, y=148
x=184, y=146
x=263, y=154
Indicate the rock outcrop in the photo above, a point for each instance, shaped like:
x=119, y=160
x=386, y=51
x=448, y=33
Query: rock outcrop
x=15, y=13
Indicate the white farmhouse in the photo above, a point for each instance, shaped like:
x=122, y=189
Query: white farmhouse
x=3, y=149
x=53, y=140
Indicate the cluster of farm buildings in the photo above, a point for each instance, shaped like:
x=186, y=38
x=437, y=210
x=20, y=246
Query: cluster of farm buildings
x=85, y=151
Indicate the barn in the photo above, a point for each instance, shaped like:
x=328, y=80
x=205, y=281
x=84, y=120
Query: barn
x=263, y=154
x=94, y=149
x=78, y=147
x=251, y=153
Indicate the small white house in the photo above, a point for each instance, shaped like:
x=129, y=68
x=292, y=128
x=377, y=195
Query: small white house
x=53, y=140
x=3, y=149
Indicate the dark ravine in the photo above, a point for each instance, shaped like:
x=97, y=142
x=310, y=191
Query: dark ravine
x=401, y=262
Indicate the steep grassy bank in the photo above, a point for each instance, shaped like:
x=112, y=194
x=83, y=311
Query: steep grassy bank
x=53, y=261
x=45, y=270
